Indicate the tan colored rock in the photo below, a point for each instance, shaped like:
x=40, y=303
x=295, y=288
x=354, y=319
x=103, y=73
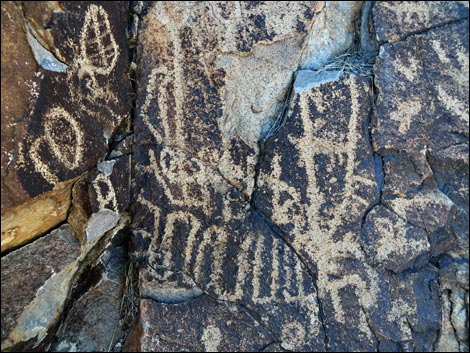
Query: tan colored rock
x=215, y=77
x=25, y=222
x=331, y=33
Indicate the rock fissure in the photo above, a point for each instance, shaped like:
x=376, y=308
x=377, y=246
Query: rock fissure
x=313, y=273
x=255, y=316
x=425, y=31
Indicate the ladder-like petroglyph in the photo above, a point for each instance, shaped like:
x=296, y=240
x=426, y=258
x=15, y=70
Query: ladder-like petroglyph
x=105, y=193
x=98, y=49
x=200, y=226
x=321, y=184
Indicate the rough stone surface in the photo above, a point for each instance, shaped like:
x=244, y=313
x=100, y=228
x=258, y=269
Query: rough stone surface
x=235, y=176
x=56, y=124
x=35, y=280
x=422, y=136
x=332, y=32
x=209, y=241
x=394, y=21
x=345, y=189
x=211, y=326
x=24, y=222
x=197, y=63
x=391, y=242
x=92, y=322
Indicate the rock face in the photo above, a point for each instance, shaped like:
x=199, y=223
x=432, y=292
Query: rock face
x=337, y=216
x=35, y=280
x=65, y=91
x=71, y=64
x=235, y=176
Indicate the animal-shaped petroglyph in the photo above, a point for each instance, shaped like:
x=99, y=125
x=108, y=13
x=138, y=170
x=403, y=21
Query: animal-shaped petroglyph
x=62, y=140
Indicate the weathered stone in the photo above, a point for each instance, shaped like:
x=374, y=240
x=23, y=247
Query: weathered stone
x=56, y=123
x=394, y=21
x=428, y=208
x=19, y=92
x=454, y=281
x=288, y=194
x=331, y=33
x=35, y=283
x=92, y=323
x=107, y=190
x=99, y=223
x=110, y=187
x=24, y=222
x=422, y=131
x=316, y=182
x=422, y=107
x=199, y=60
x=203, y=325
x=422, y=113
x=196, y=234
x=391, y=242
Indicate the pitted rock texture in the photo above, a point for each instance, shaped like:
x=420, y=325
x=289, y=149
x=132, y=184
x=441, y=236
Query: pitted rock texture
x=215, y=326
x=56, y=123
x=209, y=241
x=215, y=75
x=317, y=182
x=394, y=21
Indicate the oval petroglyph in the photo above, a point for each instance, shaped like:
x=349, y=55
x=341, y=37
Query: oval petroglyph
x=63, y=139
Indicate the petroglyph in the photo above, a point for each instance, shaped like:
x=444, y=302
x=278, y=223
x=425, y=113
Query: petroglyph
x=63, y=132
x=205, y=57
x=98, y=55
x=63, y=139
x=106, y=196
x=208, y=245
x=322, y=182
x=98, y=48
